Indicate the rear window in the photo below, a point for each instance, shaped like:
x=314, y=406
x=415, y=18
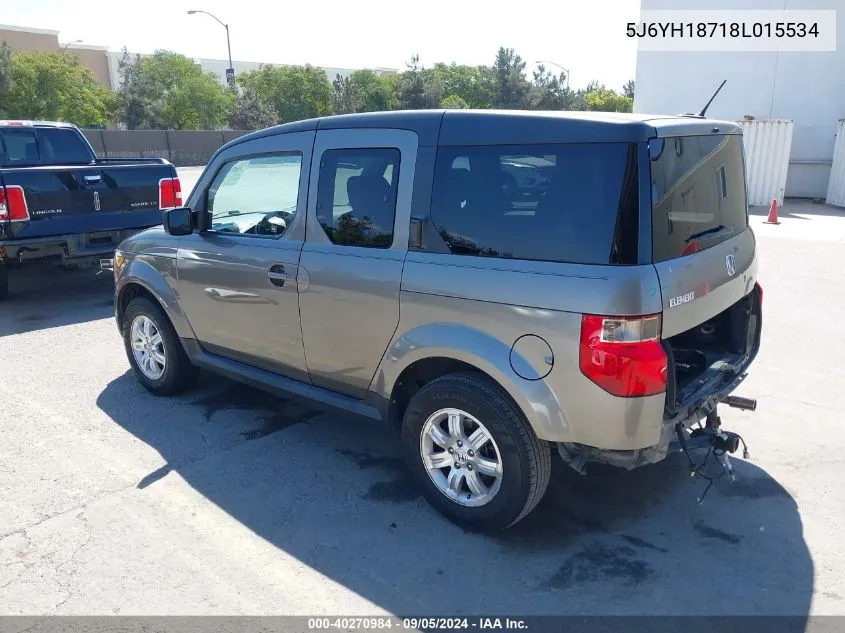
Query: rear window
x=21, y=146
x=63, y=146
x=560, y=203
x=697, y=193
x=45, y=145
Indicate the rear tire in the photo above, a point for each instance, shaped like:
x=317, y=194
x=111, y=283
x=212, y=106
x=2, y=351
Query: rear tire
x=4, y=281
x=473, y=403
x=154, y=349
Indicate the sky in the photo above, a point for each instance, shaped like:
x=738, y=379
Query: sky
x=586, y=37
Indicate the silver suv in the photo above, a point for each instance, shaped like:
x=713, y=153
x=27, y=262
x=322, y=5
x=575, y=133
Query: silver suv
x=495, y=287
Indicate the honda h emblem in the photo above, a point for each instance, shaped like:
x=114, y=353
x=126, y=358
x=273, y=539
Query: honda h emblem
x=96, y=201
x=730, y=264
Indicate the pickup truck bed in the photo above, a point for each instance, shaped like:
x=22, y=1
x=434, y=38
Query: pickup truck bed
x=60, y=203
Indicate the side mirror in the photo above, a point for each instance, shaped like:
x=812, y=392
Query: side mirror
x=179, y=221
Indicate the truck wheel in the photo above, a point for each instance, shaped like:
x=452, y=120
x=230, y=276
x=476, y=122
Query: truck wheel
x=154, y=350
x=473, y=452
x=4, y=281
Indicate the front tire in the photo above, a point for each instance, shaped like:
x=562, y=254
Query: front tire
x=154, y=349
x=473, y=453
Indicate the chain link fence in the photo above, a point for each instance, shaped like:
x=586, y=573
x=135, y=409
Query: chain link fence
x=183, y=148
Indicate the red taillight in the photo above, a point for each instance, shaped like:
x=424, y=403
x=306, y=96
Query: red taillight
x=169, y=193
x=623, y=355
x=13, y=204
x=759, y=290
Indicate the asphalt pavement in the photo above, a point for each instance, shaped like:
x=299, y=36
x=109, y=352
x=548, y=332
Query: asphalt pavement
x=228, y=501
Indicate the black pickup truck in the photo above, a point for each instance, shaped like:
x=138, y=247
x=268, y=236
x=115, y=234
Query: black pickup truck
x=60, y=203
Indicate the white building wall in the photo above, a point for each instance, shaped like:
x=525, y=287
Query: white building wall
x=808, y=88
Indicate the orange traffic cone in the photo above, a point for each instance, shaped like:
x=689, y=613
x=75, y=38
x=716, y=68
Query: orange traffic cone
x=773, y=214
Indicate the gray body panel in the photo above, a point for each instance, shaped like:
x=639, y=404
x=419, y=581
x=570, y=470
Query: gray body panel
x=352, y=320
x=475, y=309
x=350, y=308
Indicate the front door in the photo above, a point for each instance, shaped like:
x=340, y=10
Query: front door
x=238, y=281
x=358, y=218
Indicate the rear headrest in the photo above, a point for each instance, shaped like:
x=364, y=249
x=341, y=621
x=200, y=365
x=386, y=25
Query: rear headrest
x=367, y=190
x=456, y=186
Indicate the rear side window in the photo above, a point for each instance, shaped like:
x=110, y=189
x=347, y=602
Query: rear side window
x=63, y=146
x=356, y=197
x=561, y=203
x=698, y=193
x=21, y=146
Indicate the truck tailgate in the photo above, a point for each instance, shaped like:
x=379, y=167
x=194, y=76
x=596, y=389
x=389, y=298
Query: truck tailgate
x=86, y=199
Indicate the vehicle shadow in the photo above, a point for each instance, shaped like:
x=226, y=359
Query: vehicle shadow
x=335, y=494
x=42, y=297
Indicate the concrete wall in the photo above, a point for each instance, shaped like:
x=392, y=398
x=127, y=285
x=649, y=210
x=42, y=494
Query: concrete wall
x=182, y=148
x=808, y=88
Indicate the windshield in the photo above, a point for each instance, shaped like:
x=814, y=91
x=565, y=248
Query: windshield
x=697, y=193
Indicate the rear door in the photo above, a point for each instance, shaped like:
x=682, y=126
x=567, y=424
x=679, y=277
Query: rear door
x=359, y=212
x=703, y=248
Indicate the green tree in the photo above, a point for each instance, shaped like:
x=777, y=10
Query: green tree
x=295, y=92
x=5, y=74
x=628, y=89
x=56, y=86
x=605, y=100
x=454, y=102
x=376, y=92
x=132, y=106
x=473, y=84
x=549, y=91
x=180, y=95
x=512, y=87
x=419, y=90
x=593, y=86
x=345, y=99
x=251, y=113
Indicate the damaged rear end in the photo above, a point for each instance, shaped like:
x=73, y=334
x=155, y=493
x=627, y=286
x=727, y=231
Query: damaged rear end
x=704, y=254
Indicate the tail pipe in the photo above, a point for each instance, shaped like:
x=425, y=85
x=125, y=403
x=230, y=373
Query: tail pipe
x=737, y=402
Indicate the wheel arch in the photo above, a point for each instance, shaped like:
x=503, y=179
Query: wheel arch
x=427, y=352
x=139, y=278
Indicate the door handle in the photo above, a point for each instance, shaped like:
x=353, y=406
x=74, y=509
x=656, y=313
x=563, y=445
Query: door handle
x=92, y=179
x=277, y=275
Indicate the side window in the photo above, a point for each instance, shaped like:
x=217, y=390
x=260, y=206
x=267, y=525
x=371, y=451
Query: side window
x=356, y=196
x=255, y=196
x=574, y=203
x=21, y=146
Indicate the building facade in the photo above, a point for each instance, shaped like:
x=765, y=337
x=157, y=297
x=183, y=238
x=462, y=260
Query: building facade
x=805, y=87
x=26, y=39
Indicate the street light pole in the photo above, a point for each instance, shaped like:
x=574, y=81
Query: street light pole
x=566, y=70
x=230, y=71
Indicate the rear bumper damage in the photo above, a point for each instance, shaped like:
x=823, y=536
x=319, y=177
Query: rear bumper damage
x=677, y=434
